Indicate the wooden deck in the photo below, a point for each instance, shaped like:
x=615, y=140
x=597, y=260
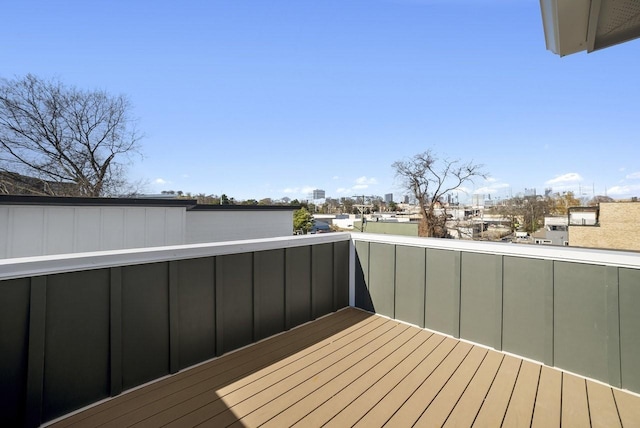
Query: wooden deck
x=356, y=369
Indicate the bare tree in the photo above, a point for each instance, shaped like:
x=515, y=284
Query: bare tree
x=429, y=178
x=72, y=142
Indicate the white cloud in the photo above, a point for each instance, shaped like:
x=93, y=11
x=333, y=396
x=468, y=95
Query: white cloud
x=625, y=190
x=366, y=181
x=487, y=190
x=361, y=184
x=299, y=191
x=335, y=177
x=160, y=181
x=571, y=177
x=634, y=176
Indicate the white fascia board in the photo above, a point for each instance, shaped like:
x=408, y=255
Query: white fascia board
x=626, y=259
x=59, y=263
x=566, y=24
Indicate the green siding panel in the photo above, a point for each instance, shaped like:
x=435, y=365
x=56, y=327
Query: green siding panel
x=269, y=290
x=382, y=278
x=363, y=298
x=410, y=284
x=527, y=321
x=321, y=279
x=442, y=295
x=580, y=319
x=298, y=286
x=196, y=311
x=14, y=329
x=234, y=301
x=630, y=328
x=145, y=323
x=341, y=274
x=481, y=299
x=77, y=341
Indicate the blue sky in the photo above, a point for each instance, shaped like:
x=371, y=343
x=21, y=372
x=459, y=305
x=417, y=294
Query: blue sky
x=273, y=98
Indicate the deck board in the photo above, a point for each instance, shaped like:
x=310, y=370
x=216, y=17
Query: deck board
x=628, y=408
x=386, y=357
x=468, y=405
x=356, y=369
x=602, y=407
x=439, y=409
x=396, y=398
x=520, y=410
x=492, y=412
x=575, y=407
x=321, y=413
x=375, y=394
x=546, y=413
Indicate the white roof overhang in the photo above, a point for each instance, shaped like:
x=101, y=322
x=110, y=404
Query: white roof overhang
x=572, y=26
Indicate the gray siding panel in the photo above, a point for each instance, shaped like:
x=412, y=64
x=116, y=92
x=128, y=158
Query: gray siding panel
x=362, y=296
x=382, y=278
x=442, y=306
x=321, y=279
x=410, y=284
x=234, y=301
x=630, y=328
x=14, y=329
x=269, y=288
x=580, y=318
x=77, y=341
x=145, y=323
x=481, y=299
x=341, y=274
x=196, y=309
x=528, y=292
x=298, y=286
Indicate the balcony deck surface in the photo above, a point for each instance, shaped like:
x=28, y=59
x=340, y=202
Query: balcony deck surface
x=353, y=368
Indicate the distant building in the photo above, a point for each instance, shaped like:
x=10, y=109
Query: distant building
x=612, y=225
x=388, y=198
x=318, y=194
x=554, y=232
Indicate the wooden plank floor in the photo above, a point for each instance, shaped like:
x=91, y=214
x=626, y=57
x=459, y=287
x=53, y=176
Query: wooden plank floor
x=356, y=369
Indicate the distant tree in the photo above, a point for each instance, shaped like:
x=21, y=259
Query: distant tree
x=224, y=200
x=511, y=209
x=250, y=202
x=302, y=220
x=265, y=201
x=78, y=140
x=600, y=198
x=347, y=204
x=429, y=178
x=204, y=199
x=562, y=202
x=393, y=207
